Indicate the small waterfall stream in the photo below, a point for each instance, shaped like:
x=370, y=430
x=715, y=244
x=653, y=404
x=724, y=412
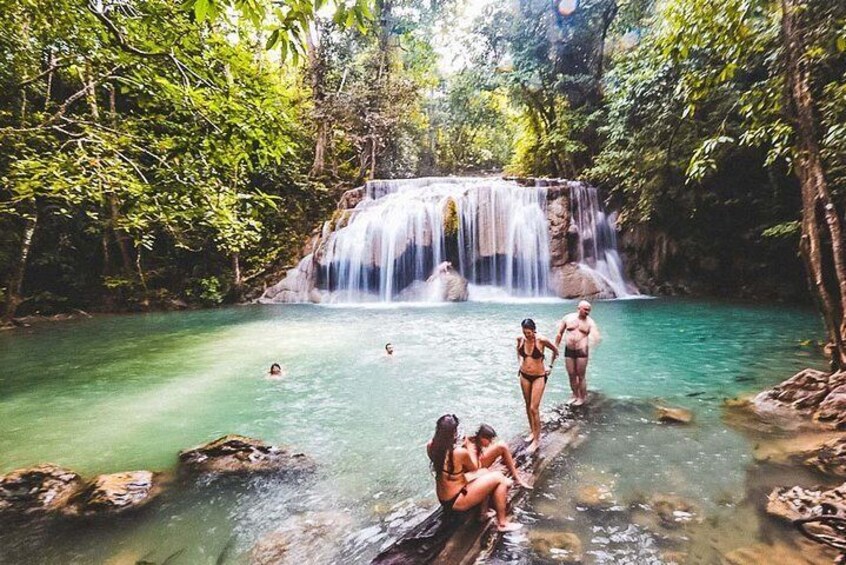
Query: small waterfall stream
x=597, y=241
x=492, y=231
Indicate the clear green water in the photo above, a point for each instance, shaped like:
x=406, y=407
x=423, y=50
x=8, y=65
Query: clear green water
x=128, y=392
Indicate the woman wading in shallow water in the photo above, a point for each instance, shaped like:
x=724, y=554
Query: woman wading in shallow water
x=533, y=374
x=459, y=483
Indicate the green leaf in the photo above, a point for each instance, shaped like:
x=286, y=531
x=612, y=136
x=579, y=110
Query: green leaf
x=272, y=40
x=201, y=9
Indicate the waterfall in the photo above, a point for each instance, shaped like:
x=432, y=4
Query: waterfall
x=493, y=231
x=597, y=239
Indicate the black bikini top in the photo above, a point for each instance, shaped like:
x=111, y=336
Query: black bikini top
x=536, y=352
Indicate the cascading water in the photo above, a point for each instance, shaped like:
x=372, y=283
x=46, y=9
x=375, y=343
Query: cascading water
x=597, y=239
x=493, y=231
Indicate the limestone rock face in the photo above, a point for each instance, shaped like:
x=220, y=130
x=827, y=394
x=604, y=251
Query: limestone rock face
x=297, y=286
x=39, y=489
x=558, y=218
x=808, y=394
x=792, y=503
x=674, y=415
x=239, y=454
x=115, y=493
x=571, y=281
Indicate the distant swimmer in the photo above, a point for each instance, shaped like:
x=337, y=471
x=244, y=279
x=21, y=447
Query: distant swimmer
x=276, y=371
x=533, y=374
x=486, y=450
x=459, y=483
x=579, y=331
x=389, y=350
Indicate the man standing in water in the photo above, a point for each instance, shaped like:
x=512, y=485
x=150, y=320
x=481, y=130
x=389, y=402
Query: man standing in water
x=580, y=331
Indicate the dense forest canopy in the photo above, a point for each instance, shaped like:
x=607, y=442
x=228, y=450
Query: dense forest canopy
x=154, y=152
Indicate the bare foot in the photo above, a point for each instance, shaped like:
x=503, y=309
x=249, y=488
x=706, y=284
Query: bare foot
x=509, y=527
x=532, y=447
x=525, y=485
x=572, y=400
x=529, y=438
x=578, y=402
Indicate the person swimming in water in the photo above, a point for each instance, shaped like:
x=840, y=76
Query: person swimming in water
x=580, y=331
x=459, y=483
x=486, y=450
x=533, y=374
x=389, y=349
x=276, y=371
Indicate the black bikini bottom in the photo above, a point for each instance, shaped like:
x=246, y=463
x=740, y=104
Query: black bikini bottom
x=575, y=353
x=532, y=378
x=448, y=504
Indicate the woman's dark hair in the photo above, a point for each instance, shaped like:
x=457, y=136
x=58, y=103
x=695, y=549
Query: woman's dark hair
x=275, y=366
x=484, y=432
x=528, y=324
x=443, y=442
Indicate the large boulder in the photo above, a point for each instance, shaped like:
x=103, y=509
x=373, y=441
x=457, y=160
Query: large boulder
x=808, y=397
x=573, y=281
x=562, y=547
x=674, y=511
x=831, y=412
x=452, y=287
x=39, y=489
x=114, y=493
x=239, y=454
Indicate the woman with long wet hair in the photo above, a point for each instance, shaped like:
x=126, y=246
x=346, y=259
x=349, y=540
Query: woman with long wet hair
x=533, y=374
x=486, y=450
x=459, y=483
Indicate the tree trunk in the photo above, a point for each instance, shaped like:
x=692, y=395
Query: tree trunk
x=237, y=281
x=318, y=95
x=816, y=196
x=13, y=291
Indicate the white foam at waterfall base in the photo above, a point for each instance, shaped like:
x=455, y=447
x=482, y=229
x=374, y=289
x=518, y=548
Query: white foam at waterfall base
x=396, y=236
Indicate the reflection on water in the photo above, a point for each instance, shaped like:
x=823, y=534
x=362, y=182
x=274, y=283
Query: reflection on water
x=123, y=393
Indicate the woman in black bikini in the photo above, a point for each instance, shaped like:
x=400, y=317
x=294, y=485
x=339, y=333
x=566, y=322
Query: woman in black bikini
x=459, y=483
x=533, y=374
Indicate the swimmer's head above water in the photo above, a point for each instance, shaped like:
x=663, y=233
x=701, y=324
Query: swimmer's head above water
x=276, y=369
x=389, y=349
x=529, y=328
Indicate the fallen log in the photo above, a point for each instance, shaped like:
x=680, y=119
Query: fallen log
x=460, y=538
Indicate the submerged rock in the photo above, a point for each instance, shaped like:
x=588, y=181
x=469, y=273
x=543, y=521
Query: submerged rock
x=115, y=493
x=673, y=415
x=564, y=547
x=779, y=552
x=595, y=497
x=237, y=454
x=674, y=511
x=39, y=489
x=830, y=457
x=793, y=503
x=302, y=539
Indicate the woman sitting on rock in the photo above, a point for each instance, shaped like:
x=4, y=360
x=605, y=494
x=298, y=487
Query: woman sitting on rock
x=459, y=483
x=485, y=450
